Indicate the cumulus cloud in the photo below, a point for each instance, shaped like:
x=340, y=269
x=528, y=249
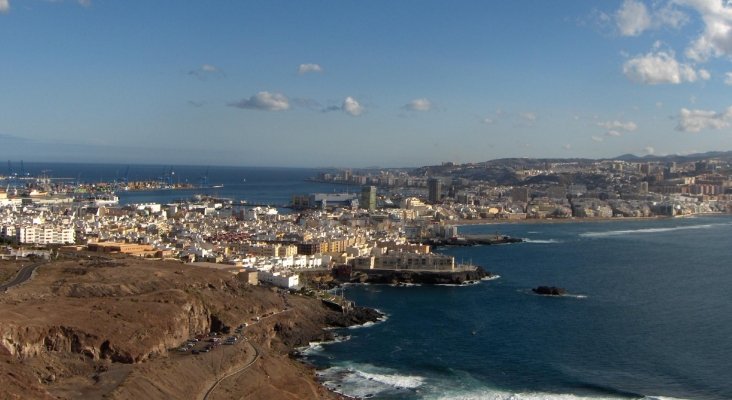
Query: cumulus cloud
x=697, y=120
x=649, y=150
x=352, y=107
x=309, y=68
x=634, y=17
x=488, y=121
x=205, y=71
x=4, y=6
x=661, y=67
x=597, y=139
x=728, y=78
x=418, y=105
x=716, y=38
x=264, y=101
x=628, y=126
x=85, y=3
x=567, y=146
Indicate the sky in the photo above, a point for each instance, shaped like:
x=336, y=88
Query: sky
x=362, y=83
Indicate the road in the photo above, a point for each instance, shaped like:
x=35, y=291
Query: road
x=248, y=364
x=235, y=372
x=23, y=275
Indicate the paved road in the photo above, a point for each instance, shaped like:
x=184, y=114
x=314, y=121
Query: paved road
x=24, y=274
x=247, y=365
x=242, y=369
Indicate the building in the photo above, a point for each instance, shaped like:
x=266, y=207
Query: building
x=45, y=234
x=520, y=194
x=434, y=187
x=134, y=249
x=323, y=200
x=279, y=280
x=403, y=260
x=368, y=198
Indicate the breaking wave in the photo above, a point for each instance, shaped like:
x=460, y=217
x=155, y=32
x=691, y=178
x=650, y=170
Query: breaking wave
x=366, y=381
x=542, y=241
x=647, y=230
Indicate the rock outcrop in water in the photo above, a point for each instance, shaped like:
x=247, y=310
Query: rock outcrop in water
x=549, y=291
x=421, y=277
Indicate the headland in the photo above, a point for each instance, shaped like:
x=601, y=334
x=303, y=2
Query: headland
x=123, y=328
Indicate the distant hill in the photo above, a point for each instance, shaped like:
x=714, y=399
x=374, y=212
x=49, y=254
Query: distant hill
x=724, y=155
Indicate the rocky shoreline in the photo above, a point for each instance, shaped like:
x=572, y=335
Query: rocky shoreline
x=396, y=277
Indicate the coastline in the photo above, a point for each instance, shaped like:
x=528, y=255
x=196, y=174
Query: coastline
x=531, y=221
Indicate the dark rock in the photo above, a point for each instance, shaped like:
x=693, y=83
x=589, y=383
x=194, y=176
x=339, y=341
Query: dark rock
x=549, y=291
x=425, y=277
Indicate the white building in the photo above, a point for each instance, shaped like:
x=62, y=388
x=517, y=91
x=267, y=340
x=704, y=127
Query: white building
x=45, y=234
x=279, y=280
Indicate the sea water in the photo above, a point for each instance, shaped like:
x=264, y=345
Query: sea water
x=649, y=316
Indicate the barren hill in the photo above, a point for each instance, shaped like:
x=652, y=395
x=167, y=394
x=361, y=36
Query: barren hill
x=110, y=328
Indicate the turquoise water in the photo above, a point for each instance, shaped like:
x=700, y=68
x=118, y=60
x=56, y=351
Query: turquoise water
x=650, y=316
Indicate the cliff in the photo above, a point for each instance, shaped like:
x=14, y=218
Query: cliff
x=93, y=329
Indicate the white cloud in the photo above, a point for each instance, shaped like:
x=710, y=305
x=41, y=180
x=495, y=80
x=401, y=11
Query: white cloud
x=352, y=107
x=728, y=78
x=567, y=147
x=716, y=39
x=649, y=150
x=704, y=74
x=661, y=67
x=488, y=121
x=264, y=101
x=307, y=68
x=529, y=117
x=418, y=105
x=613, y=133
x=697, y=120
x=632, y=18
x=205, y=71
x=85, y=3
x=597, y=139
x=4, y=6
x=628, y=126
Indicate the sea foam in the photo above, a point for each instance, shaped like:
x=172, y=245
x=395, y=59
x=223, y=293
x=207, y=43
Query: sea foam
x=647, y=230
x=542, y=241
x=494, y=394
x=366, y=380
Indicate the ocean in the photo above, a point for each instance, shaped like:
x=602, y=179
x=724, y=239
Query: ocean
x=256, y=185
x=649, y=315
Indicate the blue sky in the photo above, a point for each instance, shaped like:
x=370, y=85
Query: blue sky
x=361, y=83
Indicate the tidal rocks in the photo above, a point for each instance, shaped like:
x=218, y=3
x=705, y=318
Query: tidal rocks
x=423, y=277
x=549, y=291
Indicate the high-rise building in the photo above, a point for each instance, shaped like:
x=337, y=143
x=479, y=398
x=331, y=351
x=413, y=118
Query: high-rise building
x=368, y=198
x=434, y=187
x=520, y=194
